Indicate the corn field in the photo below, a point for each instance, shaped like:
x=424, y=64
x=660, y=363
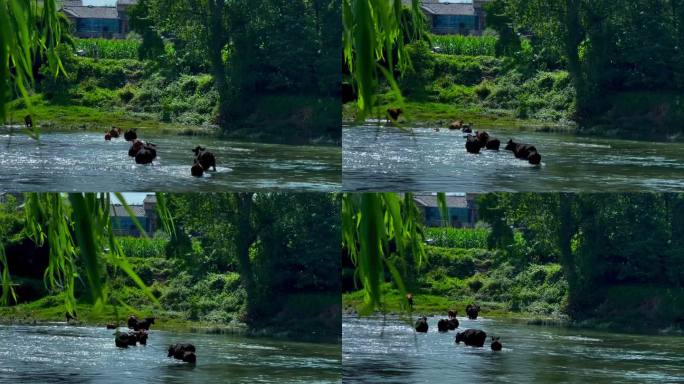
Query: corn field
x=108, y=49
x=457, y=237
x=464, y=45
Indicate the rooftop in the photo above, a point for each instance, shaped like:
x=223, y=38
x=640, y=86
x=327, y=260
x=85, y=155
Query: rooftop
x=446, y=7
x=90, y=12
x=452, y=201
x=119, y=210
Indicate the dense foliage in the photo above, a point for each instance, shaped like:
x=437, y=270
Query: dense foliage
x=253, y=50
x=606, y=257
x=31, y=32
x=620, y=54
x=603, y=241
x=488, y=83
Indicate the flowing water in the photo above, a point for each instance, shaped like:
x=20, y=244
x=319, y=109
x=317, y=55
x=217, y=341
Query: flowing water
x=86, y=162
x=66, y=354
x=389, y=351
x=420, y=159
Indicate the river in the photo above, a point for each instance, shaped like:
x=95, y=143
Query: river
x=389, y=351
x=378, y=158
x=66, y=354
x=62, y=162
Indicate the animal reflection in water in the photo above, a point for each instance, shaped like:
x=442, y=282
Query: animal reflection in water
x=146, y=153
x=470, y=337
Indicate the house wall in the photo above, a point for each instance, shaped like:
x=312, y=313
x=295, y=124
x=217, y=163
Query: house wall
x=455, y=24
x=97, y=27
x=458, y=217
x=124, y=226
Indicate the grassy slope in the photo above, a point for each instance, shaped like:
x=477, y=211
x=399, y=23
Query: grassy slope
x=52, y=117
x=483, y=90
x=454, y=277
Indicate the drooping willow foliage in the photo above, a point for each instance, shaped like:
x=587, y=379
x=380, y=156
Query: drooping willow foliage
x=78, y=227
x=29, y=29
x=379, y=230
x=373, y=32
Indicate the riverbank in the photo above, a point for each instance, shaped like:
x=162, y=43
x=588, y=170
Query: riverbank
x=494, y=92
x=436, y=306
x=49, y=117
x=50, y=310
x=441, y=115
x=432, y=305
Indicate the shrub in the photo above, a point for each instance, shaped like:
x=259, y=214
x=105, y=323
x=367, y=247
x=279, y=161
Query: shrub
x=456, y=262
x=483, y=90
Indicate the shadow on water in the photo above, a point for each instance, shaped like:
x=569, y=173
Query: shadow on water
x=66, y=354
x=86, y=162
x=394, y=353
x=391, y=159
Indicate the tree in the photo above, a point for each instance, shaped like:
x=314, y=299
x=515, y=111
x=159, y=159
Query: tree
x=281, y=244
x=76, y=227
x=380, y=231
x=28, y=29
x=373, y=32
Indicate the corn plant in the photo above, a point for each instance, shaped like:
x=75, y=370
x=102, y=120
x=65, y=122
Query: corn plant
x=108, y=48
x=464, y=45
x=458, y=237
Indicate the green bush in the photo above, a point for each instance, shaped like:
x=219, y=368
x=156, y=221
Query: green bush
x=456, y=262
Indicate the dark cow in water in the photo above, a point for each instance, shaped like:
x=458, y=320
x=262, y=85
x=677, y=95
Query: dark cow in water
x=130, y=135
x=472, y=145
x=496, y=344
x=493, y=144
x=524, y=151
x=126, y=339
x=471, y=337
x=28, y=121
x=146, y=154
x=197, y=170
x=184, y=352
x=488, y=142
x=458, y=124
x=205, y=158
x=422, y=325
x=443, y=325
x=137, y=325
x=394, y=113
x=472, y=310
x=135, y=147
